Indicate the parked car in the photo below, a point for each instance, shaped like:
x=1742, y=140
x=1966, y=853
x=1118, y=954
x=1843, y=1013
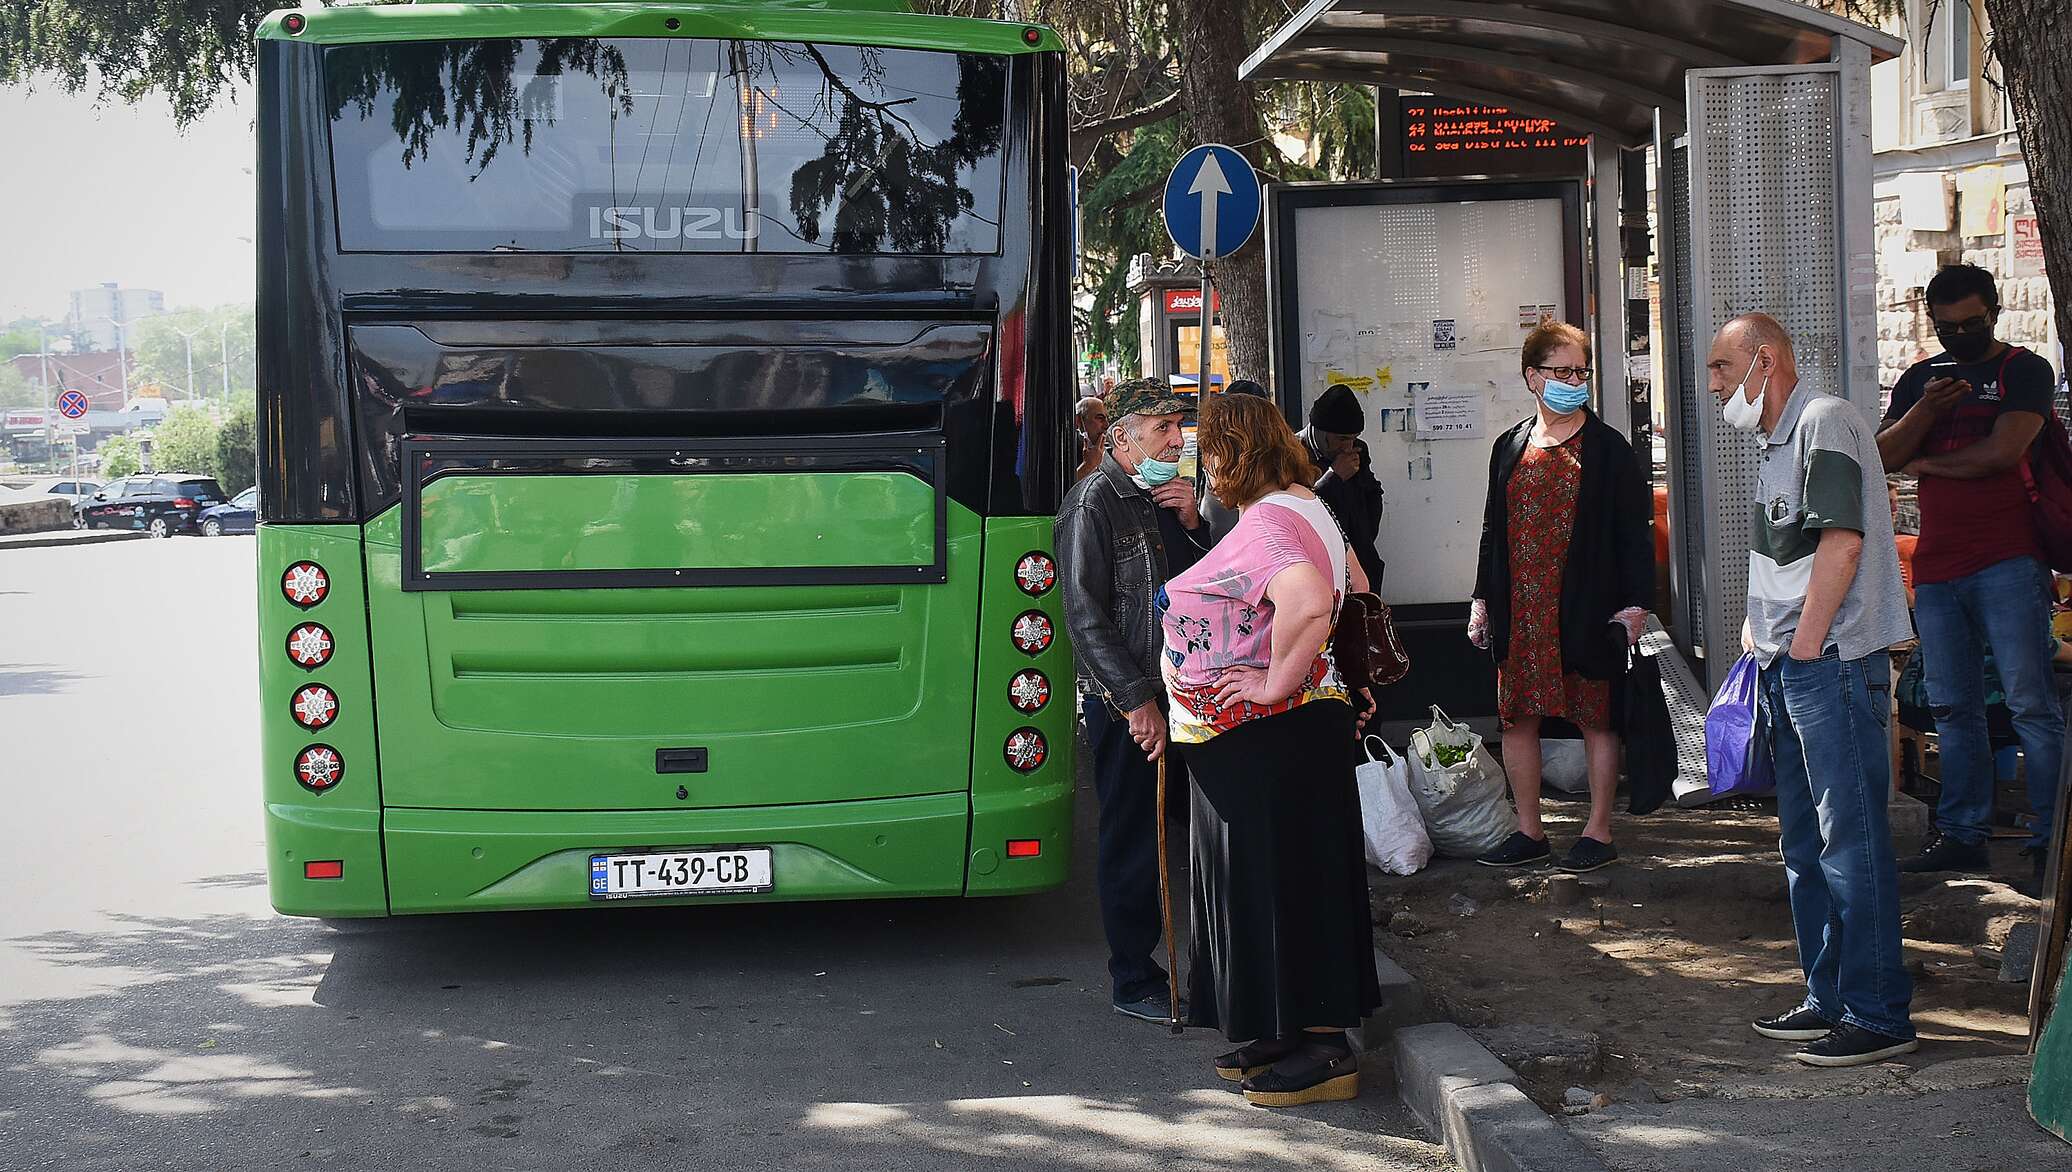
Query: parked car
x=159, y=503
x=240, y=514
x=77, y=491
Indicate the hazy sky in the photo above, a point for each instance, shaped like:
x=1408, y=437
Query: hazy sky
x=114, y=193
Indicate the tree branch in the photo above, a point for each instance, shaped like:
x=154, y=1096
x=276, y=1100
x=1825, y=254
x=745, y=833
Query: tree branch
x=1100, y=128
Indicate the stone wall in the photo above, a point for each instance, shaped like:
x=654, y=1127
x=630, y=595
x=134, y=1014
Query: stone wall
x=1904, y=334
x=36, y=516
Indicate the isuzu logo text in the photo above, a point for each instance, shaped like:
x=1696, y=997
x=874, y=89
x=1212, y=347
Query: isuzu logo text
x=639, y=223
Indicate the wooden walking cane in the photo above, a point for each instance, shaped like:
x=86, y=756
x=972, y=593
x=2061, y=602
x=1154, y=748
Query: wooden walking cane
x=1165, y=905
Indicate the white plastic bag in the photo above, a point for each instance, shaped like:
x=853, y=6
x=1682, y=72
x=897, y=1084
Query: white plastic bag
x=1565, y=765
x=1389, y=818
x=1466, y=805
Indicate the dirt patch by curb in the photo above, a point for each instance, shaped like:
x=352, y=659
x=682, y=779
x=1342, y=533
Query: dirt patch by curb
x=1643, y=987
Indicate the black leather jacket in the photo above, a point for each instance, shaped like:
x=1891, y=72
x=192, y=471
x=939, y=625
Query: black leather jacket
x=1114, y=549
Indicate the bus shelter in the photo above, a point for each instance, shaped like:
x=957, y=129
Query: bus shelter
x=1755, y=116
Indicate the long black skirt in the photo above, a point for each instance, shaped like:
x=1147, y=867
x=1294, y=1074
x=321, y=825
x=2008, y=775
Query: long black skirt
x=1282, y=939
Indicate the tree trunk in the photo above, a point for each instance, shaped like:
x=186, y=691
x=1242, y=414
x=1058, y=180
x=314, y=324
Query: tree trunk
x=2033, y=41
x=1219, y=108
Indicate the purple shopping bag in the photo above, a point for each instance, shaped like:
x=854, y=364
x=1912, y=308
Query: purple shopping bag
x=1737, y=741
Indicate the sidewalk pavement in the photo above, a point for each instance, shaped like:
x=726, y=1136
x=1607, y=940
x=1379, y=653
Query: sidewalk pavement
x=1601, y=1023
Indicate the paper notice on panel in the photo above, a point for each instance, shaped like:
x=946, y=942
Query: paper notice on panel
x=1443, y=333
x=1329, y=341
x=1449, y=414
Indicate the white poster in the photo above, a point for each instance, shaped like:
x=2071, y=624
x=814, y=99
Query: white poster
x=1450, y=414
x=1443, y=364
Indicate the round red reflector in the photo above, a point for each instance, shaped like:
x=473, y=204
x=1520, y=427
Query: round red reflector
x=1026, y=750
x=294, y=24
x=319, y=767
x=1033, y=632
x=310, y=646
x=1028, y=691
x=315, y=706
x=305, y=584
x=1032, y=36
x=1035, y=574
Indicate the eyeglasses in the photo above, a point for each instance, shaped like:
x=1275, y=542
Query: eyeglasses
x=1567, y=374
x=1982, y=324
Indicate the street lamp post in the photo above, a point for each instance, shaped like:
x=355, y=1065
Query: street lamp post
x=187, y=340
x=121, y=356
x=226, y=365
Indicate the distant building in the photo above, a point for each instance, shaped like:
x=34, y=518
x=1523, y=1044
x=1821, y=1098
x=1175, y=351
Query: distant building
x=1951, y=185
x=96, y=312
x=96, y=374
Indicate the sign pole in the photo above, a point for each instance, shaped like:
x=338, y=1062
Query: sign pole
x=1208, y=322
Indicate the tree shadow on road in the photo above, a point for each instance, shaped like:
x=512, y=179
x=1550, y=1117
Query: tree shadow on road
x=35, y=680
x=927, y=1034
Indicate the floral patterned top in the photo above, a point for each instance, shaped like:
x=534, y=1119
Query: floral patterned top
x=1216, y=614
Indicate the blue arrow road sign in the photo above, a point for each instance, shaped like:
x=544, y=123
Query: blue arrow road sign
x=72, y=405
x=1211, y=199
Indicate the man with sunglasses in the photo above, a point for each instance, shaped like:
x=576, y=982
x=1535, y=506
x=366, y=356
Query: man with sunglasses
x=1963, y=422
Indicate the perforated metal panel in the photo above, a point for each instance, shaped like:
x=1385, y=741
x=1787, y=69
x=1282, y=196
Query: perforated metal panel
x=1765, y=233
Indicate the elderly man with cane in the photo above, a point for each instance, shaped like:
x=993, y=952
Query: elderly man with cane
x=1122, y=531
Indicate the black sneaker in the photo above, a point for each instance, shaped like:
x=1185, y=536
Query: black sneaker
x=1155, y=1007
x=1943, y=853
x=1588, y=855
x=1850, y=1045
x=1797, y=1025
x=1519, y=850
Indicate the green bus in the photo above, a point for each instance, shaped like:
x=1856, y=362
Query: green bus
x=662, y=412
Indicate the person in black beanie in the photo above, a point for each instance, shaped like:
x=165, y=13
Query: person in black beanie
x=1345, y=476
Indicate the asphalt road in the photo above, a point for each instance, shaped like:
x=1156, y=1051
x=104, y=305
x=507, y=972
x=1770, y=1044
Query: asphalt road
x=154, y=1012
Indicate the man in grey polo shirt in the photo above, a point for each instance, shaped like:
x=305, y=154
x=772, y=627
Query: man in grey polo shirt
x=1825, y=601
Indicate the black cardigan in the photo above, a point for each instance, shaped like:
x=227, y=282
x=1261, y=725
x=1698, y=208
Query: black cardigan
x=1611, y=554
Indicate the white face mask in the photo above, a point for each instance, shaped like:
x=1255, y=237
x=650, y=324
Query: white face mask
x=1739, y=411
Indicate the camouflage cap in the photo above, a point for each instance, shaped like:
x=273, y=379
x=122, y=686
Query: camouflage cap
x=1143, y=396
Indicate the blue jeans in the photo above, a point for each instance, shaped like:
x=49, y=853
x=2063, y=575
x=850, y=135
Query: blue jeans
x=2004, y=607
x=1827, y=721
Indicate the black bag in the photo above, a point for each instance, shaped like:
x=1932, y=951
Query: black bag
x=1650, y=738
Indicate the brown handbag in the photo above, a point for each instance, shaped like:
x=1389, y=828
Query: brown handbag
x=1364, y=644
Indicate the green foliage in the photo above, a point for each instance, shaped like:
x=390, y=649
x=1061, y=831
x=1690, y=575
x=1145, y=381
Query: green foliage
x=186, y=442
x=120, y=457
x=17, y=392
x=160, y=346
x=237, y=451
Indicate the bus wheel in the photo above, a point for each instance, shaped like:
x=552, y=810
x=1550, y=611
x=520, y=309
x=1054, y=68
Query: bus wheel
x=158, y=528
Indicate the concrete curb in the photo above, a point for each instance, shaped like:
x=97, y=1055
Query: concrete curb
x=1464, y=1094
x=58, y=537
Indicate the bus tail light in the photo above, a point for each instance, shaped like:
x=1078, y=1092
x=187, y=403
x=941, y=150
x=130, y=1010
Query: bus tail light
x=310, y=646
x=1027, y=750
x=319, y=767
x=1024, y=848
x=1033, y=632
x=314, y=706
x=1035, y=573
x=324, y=869
x=305, y=584
x=1028, y=691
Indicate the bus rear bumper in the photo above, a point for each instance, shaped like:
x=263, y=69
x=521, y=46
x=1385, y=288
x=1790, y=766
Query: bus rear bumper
x=509, y=860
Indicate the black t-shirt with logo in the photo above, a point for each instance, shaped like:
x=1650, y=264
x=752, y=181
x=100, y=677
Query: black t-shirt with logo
x=1968, y=525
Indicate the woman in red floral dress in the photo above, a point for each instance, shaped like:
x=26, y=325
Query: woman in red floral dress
x=1566, y=570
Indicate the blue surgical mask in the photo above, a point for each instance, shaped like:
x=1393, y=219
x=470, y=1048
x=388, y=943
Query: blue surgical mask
x=1152, y=471
x=1565, y=398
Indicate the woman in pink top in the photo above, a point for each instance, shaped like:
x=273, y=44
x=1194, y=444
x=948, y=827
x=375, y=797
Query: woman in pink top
x=1282, y=949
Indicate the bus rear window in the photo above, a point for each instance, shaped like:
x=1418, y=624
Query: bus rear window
x=585, y=145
